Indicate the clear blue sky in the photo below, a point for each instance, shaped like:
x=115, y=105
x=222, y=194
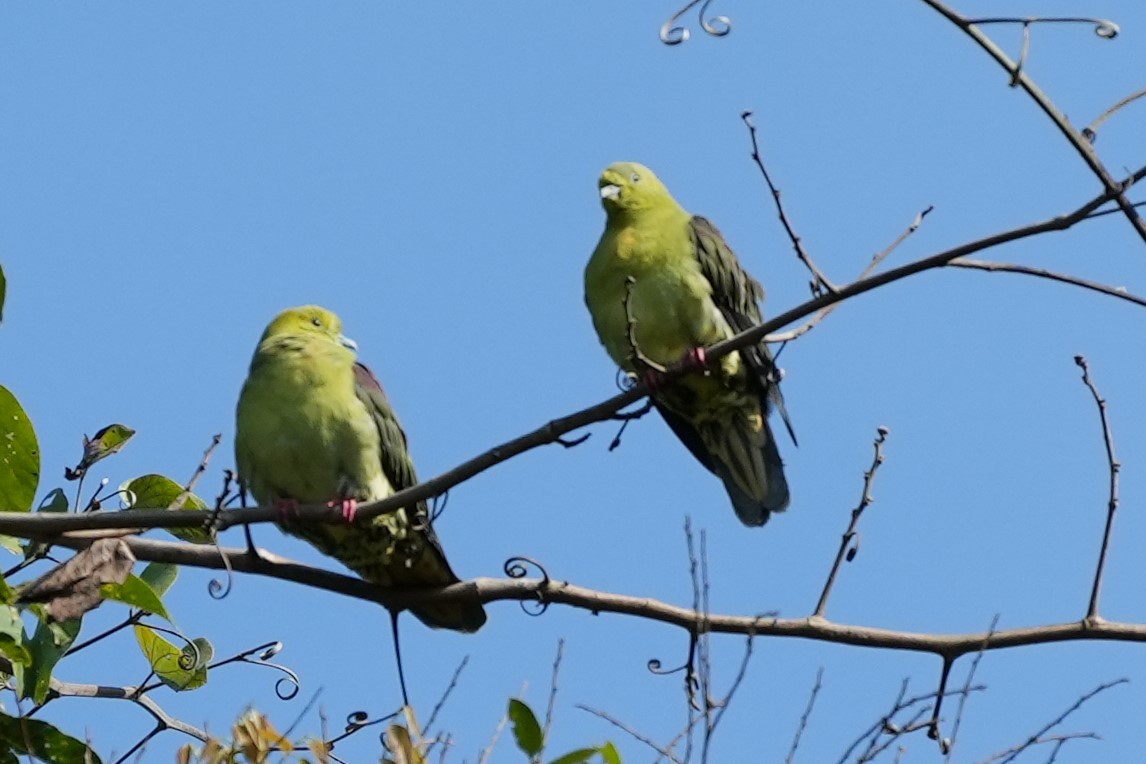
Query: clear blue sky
x=174, y=175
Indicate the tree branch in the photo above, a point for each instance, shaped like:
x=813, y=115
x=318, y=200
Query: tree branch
x=1075, y=137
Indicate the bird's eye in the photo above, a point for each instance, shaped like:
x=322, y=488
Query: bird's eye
x=317, y=322
x=634, y=177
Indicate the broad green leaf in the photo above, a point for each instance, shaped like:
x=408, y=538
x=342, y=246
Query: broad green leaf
x=47, y=646
x=12, y=544
x=7, y=594
x=32, y=737
x=158, y=492
x=180, y=670
x=160, y=576
x=609, y=754
x=526, y=730
x=12, y=636
x=19, y=456
x=55, y=501
x=137, y=593
x=106, y=442
x=580, y=756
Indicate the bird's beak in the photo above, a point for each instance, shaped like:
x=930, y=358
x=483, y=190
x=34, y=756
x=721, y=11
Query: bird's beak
x=610, y=191
x=348, y=343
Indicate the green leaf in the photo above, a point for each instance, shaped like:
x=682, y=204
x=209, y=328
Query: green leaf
x=106, y=442
x=32, y=737
x=137, y=593
x=160, y=576
x=47, y=646
x=19, y=456
x=580, y=756
x=180, y=670
x=156, y=492
x=55, y=501
x=12, y=636
x=609, y=754
x=525, y=728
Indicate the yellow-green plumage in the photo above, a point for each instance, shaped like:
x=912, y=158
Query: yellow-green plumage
x=668, y=281
x=314, y=426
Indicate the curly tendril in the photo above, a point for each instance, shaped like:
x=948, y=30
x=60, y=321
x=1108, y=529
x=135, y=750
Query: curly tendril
x=1104, y=28
x=717, y=26
x=219, y=588
x=518, y=567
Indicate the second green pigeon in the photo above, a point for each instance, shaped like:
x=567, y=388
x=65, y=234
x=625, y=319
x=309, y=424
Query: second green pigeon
x=661, y=286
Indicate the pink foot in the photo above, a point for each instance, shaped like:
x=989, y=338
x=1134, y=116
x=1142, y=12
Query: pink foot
x=287, y=509
x=695, y=359
x=349, y=508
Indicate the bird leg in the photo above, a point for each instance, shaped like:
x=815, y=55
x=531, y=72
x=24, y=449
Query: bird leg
x=694, y=359
x=349, y=508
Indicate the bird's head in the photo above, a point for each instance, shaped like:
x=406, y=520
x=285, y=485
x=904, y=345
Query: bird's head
x=309, y=321
x=628, y=187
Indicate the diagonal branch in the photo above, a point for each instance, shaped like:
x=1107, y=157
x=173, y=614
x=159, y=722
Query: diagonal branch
x=1074, y=136
x=49, y=525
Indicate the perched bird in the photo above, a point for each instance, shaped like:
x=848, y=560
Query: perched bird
x=661, y=286
x=314, y=426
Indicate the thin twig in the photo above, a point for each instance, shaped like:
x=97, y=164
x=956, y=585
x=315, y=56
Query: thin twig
x=1035, y=738
x=1058, y=740
x=630, y=731
x=805, y=716
x=964, y=694
x=445, y=695
x=553, y=689
x=876, y=259
x=846, y=549
x=1076, y=139
x=1094, y=286
x=820, y=282
x=1112, y=503
x=933, y=730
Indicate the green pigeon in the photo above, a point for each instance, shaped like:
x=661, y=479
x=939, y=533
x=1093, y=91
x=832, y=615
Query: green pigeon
x=314, y=426
x=661, y=286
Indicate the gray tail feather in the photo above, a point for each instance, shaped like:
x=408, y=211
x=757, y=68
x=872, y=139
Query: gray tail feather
x=465, y=617
x=752, y=472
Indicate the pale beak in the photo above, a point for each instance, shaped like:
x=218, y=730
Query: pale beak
x=348, y=343
x=610, y=191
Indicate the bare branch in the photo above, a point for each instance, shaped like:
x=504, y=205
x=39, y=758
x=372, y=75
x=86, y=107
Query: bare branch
x=1019, y=77
x=1112, y=503
x=965, y=693
x=805, y=716
x=631, y=732
x=553, y=591
x=986, y=265
x=876, y=259
x=1037, y=738
x=846, y=550
x=820, y=282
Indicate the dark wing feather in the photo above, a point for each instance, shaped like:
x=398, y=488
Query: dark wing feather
x=431, y=568
x=737, y=295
